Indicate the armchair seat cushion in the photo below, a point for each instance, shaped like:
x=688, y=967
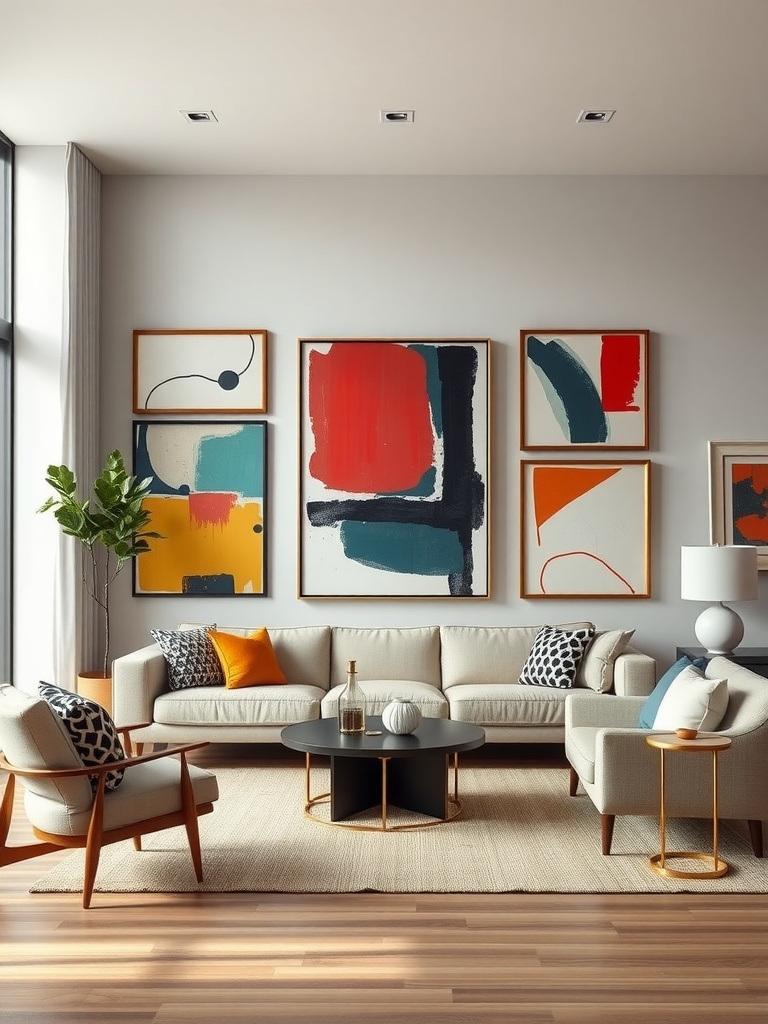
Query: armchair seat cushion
x=148, y=790
x=581, y=751
x=275, y=704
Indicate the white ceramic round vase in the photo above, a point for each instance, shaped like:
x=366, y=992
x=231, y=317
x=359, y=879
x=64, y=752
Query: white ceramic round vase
x=401, y=717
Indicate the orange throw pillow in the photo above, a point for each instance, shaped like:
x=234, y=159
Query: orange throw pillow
x=247, y=660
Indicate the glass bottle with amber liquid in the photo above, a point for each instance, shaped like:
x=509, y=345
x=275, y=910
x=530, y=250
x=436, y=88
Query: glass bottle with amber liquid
x=352, y=704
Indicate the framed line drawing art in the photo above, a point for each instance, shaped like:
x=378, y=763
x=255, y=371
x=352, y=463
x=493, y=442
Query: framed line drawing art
x=583, y=390
x=585, y=529
x=394, y=468
x=738, y=495
x=205, y=371
x=208, y=499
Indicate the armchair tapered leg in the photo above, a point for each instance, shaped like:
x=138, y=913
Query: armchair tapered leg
x=94, y=843
x=137, y=843
x=756, y=836
x=190, y=818
x=607, y=822
x=573, y=782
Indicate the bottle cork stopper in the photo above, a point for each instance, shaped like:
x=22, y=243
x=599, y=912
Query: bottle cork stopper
x=352, y=666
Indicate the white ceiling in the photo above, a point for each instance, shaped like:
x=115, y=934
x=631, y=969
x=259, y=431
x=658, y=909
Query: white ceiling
x=297, y=85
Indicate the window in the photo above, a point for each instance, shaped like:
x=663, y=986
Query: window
x=6, y=403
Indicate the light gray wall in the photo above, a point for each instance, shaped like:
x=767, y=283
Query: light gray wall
x=684, y=257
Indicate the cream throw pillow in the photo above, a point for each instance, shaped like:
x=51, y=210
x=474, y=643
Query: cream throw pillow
x=693, y=702
x=596, y=669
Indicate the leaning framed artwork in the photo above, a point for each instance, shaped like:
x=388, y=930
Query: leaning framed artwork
x=585, y=529
x=394, y=468
x=583, y=389
x=204, y=371
x=738, y=495
x=209, y=501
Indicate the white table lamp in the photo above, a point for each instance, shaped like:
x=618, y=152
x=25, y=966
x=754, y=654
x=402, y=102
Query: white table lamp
x=718, y=573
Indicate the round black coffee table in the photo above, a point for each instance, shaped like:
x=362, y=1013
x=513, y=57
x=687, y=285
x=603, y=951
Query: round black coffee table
x=410, y=772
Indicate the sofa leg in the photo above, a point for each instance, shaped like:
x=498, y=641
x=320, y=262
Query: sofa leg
x=573, y=782
x=756, y=835
x=607, y=822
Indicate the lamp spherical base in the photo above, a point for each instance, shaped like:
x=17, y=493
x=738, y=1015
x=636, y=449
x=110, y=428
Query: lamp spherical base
x=719, y=629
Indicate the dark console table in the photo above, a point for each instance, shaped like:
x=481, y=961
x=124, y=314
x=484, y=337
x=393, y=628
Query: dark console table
x=753, y=658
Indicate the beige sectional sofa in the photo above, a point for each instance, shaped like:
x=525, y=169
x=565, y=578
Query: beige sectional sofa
x=468, y=673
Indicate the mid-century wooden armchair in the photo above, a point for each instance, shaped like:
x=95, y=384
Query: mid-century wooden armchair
x=158, y=790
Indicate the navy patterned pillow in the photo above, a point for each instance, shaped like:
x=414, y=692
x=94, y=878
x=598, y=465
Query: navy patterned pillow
x=555, y=657
x=90, y=728
x=191, y=657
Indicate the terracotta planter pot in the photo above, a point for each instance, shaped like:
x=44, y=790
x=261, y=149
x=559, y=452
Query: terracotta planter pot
x=95, y=686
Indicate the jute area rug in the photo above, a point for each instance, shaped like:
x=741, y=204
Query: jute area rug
x=519, y=832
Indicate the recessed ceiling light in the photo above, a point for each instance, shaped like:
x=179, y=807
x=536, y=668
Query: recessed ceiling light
x=396, y=116
x=593, y=116
x=199, y=116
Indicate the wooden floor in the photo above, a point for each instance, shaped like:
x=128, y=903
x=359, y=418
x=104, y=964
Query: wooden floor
x=375, y=959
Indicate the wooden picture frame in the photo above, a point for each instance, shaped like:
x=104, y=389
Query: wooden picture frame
x=199, y=371
x=394, y=468
x=583, y=390
x=738, y=495
x=209, y=501
x=585, y=529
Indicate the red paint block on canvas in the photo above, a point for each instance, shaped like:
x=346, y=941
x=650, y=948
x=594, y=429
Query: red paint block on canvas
x=369, y=409
x=619, y=372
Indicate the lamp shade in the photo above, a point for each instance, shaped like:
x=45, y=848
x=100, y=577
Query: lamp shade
x=714, y=572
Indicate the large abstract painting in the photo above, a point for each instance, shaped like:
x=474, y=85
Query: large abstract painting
x=583, y=389
x=200, y=371
x=738, y=487
x=585, y=529
x=208, y=500
x=394, y=468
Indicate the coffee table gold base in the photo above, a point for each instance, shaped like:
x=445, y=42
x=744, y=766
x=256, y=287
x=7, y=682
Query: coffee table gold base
x=453, y=804
x=719, y=867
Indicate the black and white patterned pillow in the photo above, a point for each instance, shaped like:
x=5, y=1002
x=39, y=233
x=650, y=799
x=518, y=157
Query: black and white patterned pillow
x=191, y=657
x=555, y=657
x=90, y=728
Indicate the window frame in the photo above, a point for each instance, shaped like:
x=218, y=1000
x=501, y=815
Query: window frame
x=6, y=405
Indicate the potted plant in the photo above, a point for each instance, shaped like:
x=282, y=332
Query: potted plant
x=111, y=528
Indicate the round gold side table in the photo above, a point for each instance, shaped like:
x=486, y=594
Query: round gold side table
x=703, y=743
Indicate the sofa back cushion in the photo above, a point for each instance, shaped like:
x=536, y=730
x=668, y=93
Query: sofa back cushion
x=302, y=652
x=387, y=653
x=488, y=654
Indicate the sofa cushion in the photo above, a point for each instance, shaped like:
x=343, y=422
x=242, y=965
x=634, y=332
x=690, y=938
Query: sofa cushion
x=90, y=728
x=596, y=669
x=259, y=705
x=379, y=692
x=555, y=657
x=692, y=702
x=651, y=706
x=492, y=655
x=388, y=653
x=247, y=660
x=506, y=704
x=191, y=657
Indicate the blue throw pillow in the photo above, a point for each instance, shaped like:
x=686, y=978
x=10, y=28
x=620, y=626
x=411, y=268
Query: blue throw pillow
x=651, y=706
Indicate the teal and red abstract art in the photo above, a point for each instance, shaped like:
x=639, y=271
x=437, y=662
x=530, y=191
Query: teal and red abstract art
x=584, y=389
x=394, y=468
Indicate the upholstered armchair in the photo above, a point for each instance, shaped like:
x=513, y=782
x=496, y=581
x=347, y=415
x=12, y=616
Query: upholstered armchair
x=157, y=791
x=619, y=771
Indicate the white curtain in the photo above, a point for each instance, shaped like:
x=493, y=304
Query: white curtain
x=76, y=638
